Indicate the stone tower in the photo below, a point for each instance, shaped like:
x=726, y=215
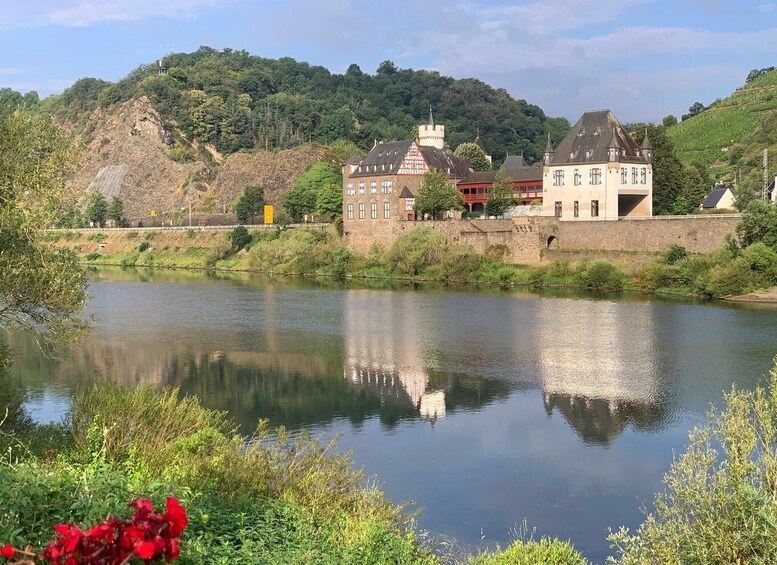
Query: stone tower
x=431, y=135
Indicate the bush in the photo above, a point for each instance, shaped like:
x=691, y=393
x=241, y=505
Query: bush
x=720, y=504
x=92, y=257
x=294, y=251
x=761, y=259
x=547, y=551
x=240, y=238
x=218, y=252
x=602, y=275
x=675, y=253
x=415, y=251
x=730, y=278
x=144, y=245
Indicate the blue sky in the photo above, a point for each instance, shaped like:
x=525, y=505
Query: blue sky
x=641, y=58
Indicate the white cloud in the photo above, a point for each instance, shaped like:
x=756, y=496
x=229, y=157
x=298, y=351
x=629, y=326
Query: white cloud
x=82, y=13
x=10, y=71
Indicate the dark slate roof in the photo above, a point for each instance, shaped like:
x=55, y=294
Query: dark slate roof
x=406, y=193
x=646, y=142
x=479, y=143
x=593, y=133
x=514, y=161
x=479, y=177
x=384, y=159
x=714, y=197
x=445, y=160
x=354, y=159
x=516, y=171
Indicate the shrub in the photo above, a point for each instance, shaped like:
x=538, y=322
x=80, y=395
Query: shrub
x=144, y=245
x=415, y=251
x=191, y=233
x=132, y=235
x=92, y=257
x=293, y=251
x=240, y=238
x=720, y=503
x=761, y=258
x=675, y=253
x=341, y=261
x=546, y=551
x=602, y=275
x=221, y=250
x=734, y=277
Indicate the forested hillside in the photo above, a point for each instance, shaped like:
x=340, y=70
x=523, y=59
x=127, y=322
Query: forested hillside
x=730, y=134
x=236, y=101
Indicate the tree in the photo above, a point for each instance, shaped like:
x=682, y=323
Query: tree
x=116, y=211
x=437, y=195
x=249, y=204
x=669, y=121
x=474, y=154
x=668, y=171
x=329, y=202
x=758, y=223
x=695, y=109
x=97, y=209
x=501, y=195
x=745, y=192
x=42, y=289
x=302, y=197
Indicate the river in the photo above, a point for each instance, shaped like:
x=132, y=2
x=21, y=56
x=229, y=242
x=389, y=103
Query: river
x=486, y=408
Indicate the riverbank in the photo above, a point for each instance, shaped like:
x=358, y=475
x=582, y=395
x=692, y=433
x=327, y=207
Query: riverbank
x=423, y=255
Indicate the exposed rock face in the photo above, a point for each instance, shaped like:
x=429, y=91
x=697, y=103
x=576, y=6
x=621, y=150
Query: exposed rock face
x=274, y=171
x=127, y=154
x=134, y=141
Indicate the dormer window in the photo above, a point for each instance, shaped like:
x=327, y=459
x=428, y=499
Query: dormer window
x=597, y=131
x=581, y=132
x=588, y=153
x=571, y=154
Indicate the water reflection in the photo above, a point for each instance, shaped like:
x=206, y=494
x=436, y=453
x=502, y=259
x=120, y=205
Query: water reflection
x=598, y=368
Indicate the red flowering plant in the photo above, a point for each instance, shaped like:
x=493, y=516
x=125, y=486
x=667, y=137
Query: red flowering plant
x=147, y=535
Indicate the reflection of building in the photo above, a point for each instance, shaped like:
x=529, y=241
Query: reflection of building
x=382, y=351
x=601, y=383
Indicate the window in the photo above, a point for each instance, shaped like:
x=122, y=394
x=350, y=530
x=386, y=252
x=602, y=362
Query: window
x=361, y=211
x=595, y=176
x=558, y=209
x=558, y=178
x=361, y=187
x=349, y=191
x=588, y=153
x=374, y=211
x=643, y=175
x=594, y=208
x=633, y=175
x=577, y=209
x=578, y=178
x=385, y=187
x=386, y=210
x=349, y=215
x=373, y=187
x=624, y=175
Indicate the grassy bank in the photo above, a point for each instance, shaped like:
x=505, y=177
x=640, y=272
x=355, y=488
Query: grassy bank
x=423, y=255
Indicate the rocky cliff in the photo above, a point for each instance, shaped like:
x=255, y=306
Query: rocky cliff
x=131, y=154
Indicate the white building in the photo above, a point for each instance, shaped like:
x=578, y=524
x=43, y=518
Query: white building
x=598, y=172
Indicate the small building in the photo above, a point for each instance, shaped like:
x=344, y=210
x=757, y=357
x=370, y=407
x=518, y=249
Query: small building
x=381, y=186
x=526, y=181
x=598, y=172
x=721, y=198
x=771, y=190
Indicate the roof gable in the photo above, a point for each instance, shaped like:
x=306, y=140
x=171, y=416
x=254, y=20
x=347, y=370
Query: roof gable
x=384, y=159
x=714, y=197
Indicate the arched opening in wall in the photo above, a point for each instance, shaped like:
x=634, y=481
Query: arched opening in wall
x=478, y=209
x=553, y=242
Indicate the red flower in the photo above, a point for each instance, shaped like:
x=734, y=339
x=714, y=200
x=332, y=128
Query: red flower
x=9, y=552
x=173, y=551
x=145, y=549
x=176, y=517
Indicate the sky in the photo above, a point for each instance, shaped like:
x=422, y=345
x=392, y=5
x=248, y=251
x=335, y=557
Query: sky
x=643, y=59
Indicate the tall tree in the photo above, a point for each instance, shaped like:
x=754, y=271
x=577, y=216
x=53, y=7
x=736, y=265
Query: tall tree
x=97, y=209
x=501, y=195
x=42, y=289
x=302, y=197
x=116, y=211
x=249, y=204
x=329, y=202
x=474, y=154
x=437, y=195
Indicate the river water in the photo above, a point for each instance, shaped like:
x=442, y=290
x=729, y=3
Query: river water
x=487, y=409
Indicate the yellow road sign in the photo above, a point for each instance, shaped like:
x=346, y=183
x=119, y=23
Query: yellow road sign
x=268, y=214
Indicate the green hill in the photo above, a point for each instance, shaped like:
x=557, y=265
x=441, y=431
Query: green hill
x=236, y=101
x=731, y=133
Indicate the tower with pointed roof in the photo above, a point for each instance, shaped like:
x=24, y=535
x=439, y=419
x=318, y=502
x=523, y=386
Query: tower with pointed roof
x=431, y=134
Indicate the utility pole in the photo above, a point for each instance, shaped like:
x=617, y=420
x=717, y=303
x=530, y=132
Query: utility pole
x=766, y=175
